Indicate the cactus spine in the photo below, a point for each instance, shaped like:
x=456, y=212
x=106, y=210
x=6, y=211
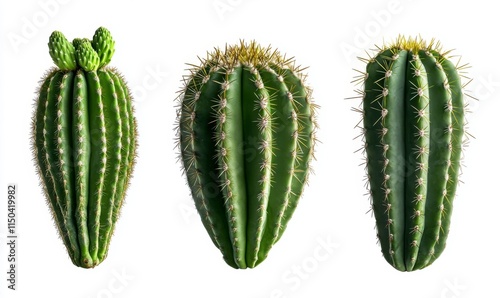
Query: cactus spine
x=246, y=137
x=413, y=116
x=84, y=140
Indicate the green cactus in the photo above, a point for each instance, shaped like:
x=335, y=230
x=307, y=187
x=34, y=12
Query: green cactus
x=84, y=142
x=413, y=117
x=246, y=136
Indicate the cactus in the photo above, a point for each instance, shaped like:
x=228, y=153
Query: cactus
x=413, y=117
x=84, y=142
x=246, y=137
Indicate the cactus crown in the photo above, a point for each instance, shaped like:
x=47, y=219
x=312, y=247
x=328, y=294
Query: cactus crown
x=82, y=53
x=413, y=45
x=248, y=54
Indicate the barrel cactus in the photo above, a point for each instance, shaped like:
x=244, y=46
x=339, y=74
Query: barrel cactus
x=246, y=137
x=84, y=141
x=413, y=117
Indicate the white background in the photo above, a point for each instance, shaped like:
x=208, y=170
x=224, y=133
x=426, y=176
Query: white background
x=160, y=248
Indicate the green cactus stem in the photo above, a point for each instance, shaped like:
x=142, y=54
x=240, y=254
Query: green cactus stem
x=413, y=117
x=86, y=56
x=62, y=51
x=246, y=137
x=104, y=45
x=84, y=141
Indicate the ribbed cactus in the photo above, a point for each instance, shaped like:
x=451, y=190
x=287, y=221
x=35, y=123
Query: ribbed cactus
x=413, y=116
x=246, y=136
x=84, y=140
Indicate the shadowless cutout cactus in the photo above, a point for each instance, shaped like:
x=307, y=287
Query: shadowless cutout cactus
x=246, y=136
x=413, y=125
x=84, y=142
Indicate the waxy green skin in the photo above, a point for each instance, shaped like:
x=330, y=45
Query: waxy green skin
x=413, y=111
x=246, y=134
x=84, y=141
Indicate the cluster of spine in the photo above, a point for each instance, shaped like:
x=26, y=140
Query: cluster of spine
x=84, y=141
x=413, y=126
x=246, y=135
